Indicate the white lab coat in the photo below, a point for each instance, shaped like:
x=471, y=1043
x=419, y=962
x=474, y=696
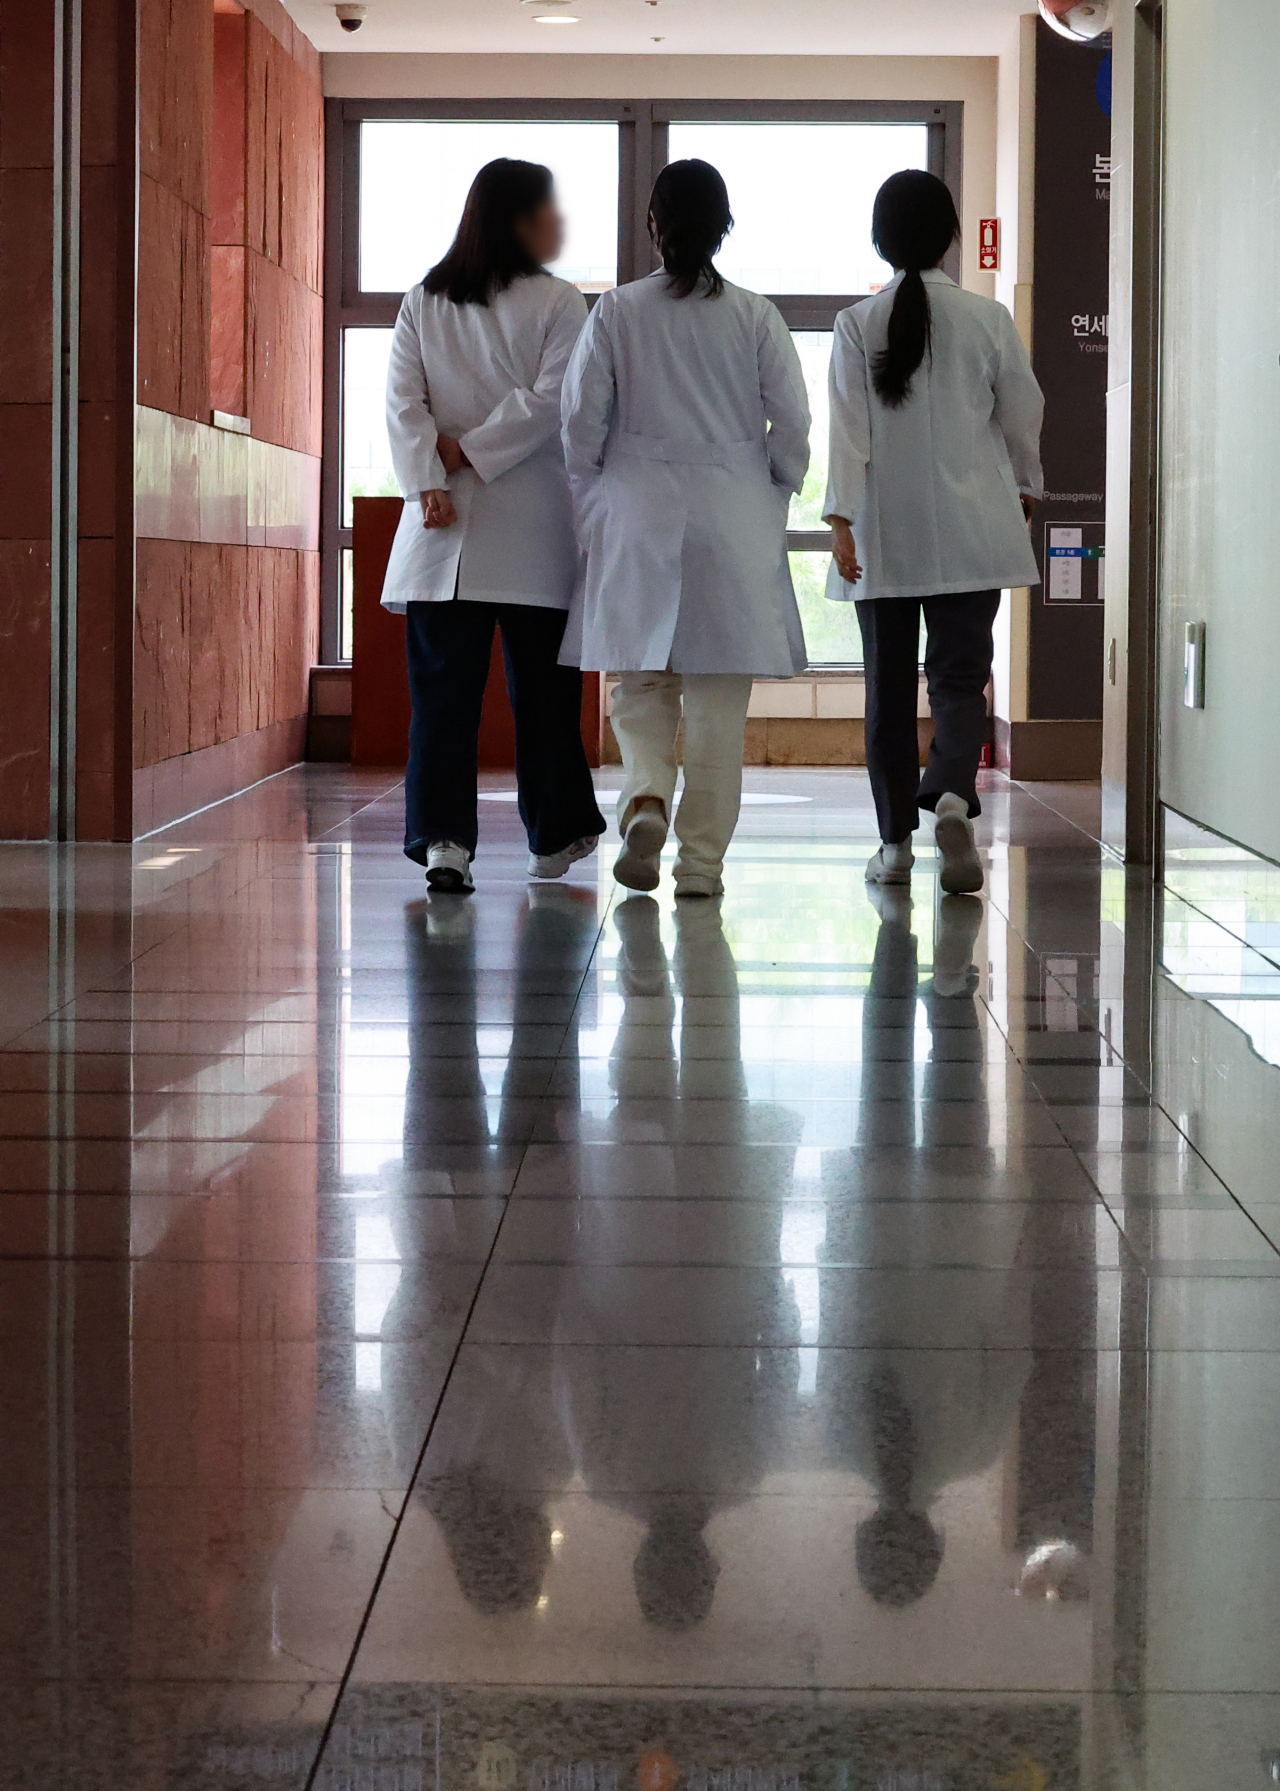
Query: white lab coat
x=686, y=429
x=931, y=489
x=489, y=375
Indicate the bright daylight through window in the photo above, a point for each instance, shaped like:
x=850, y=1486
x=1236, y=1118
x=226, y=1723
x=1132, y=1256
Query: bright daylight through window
x=414, y=175
x=787, y=234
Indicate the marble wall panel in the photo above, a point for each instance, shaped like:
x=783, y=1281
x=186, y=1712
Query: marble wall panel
x=226, y=366
x=161, y=659
x=99, y=248
x=175, y=96
x=96, y=688
x=24, y=689
x=173, y=303
x=297, y=637
x=283, y=358
x=197, y=483
x=166, y=478
x=284, y=497
x=26, y=83
x=25, y=449
x=100, y=22
x=96, y=495
x=285, y=149
x=26, y=295
x=223, y=483
x=216, y=605
x=230, y=123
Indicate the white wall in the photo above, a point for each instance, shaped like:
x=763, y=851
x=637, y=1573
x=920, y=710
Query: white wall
x=1220, y=516
x=971, y=79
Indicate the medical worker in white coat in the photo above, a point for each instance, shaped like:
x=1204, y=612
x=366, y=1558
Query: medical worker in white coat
x=486, y=539
x=934, y=476
x=686, y=430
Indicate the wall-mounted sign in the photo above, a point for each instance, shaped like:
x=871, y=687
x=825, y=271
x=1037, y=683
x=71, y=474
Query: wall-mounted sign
x=989, y=244
x=1075, y=560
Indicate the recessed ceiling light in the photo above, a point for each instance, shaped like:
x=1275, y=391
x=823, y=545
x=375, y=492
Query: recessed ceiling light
x=556, y=18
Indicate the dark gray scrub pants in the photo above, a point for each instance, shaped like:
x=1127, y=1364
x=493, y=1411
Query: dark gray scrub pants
x=957, y=667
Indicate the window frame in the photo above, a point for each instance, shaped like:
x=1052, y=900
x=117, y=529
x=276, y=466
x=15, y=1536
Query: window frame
x=642, y=151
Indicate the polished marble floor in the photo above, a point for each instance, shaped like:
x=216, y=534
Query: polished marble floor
x=546, y=1342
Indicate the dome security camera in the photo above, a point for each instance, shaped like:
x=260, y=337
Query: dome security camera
x=351, y=17
x=1080, y=21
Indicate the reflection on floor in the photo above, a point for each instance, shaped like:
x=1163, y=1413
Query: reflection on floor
x=825, y=1341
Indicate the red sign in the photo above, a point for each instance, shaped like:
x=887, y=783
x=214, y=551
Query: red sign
x=988, y=244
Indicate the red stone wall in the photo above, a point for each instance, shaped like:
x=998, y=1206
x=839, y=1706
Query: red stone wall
x=26, y=221
x=230, y=255
x=225, y=638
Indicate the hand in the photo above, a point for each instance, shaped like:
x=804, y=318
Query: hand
x=1028, y=507
x=845, y=551
x=437, y=510
x=449, y=448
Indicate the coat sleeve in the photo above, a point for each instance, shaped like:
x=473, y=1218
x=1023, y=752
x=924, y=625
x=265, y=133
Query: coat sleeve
x=411, y=428
x=850, y=451
x=786, y=403
x=530, y=415
x=1019, y=408
x=586, y=406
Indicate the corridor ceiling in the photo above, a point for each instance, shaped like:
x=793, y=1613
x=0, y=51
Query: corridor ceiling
x=680, y=27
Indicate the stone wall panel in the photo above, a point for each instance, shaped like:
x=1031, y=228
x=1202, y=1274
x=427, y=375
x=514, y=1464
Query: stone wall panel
x=24, y=689
x=175, y=96
x=173, y=303
x=161, y=661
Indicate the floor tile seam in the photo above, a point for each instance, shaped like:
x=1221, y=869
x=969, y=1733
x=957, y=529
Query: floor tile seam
x=398, y=1520
x=781, y=1347
x=1105, y=852
x=385, y=1562
x=360, y=809
x=816, y=1689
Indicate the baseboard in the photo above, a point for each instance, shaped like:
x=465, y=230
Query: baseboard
x=797, y=740
x=1049, y=751
x=164, y=793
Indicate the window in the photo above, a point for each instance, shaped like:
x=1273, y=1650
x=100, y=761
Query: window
x=398, y=175
x=414, y=176
x=791, y=234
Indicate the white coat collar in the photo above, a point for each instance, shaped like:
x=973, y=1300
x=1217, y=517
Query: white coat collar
x=932, y=276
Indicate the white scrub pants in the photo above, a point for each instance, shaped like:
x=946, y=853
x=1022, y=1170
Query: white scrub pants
x=646, y=721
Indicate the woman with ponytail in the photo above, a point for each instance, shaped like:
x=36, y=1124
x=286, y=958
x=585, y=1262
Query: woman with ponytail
x=686, y=429
x=934, y=475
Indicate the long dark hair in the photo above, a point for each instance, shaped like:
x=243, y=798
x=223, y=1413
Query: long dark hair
x=913, y=224
x=689, y=218
x=487, y=255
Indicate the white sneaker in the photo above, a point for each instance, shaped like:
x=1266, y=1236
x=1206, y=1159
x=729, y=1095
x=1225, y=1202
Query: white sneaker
x=891, y=864
x=555, y=864
x=637, y=864
x=449, y=868
x=959, y=922
x=961, y=872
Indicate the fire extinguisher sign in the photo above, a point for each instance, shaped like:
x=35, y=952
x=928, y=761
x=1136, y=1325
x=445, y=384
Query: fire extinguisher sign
x=989, y=244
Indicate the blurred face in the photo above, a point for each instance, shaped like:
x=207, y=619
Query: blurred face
x=542, y=232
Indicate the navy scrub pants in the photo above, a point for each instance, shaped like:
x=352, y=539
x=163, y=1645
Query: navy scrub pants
x=448, y=646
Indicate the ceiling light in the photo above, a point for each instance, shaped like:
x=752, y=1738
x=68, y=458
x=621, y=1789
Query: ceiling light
x=556, y=18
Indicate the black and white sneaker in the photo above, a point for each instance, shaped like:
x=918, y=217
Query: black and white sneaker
x=449, y=869
x=555, y=864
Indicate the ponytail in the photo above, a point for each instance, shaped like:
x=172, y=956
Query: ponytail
x=913, y=224
x=689, y=218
